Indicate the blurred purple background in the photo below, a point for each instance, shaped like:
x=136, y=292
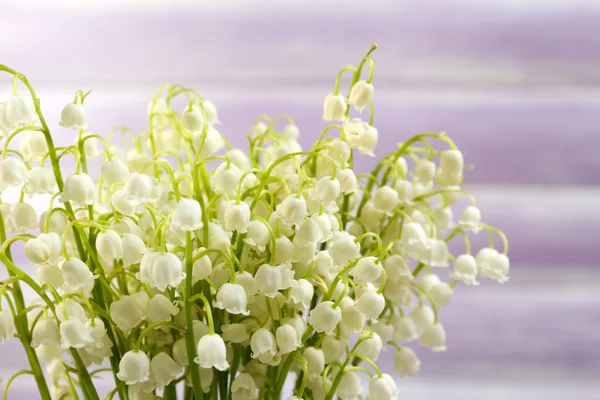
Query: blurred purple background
x=515, y=83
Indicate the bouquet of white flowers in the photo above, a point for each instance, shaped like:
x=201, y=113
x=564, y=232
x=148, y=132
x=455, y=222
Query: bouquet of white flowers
x=214, y=274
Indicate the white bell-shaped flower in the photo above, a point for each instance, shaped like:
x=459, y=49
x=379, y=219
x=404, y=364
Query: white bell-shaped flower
x=434, y=337
x=348, y=181
x=465, y=270
x=161, y=270
x=325, y=317
x=315, y=360
x=324, y=223
x=386, y=199
x=7, y=325
x=109, y=245
x=97, y=332
x=6, y=126
x=361, y=94
x=80, y=189
x=384, y=330
x=361, y=136
x=19, y=217
x=382, y=388
x=351, y=317
x=20, y=111
x=33, y=145
x=45, y=249
x=48, y=353
x=187, y=215
x=45, y=333
x=470, y=219
x=134, y=367
x=308, y=232
x=72, y=309
x=424, y=171
x=192, y=120
x=370, y=347
x=287, y=339
x=350, y=387
x=257, y=235
x=127, y=313
x=114, y=171
x=139, y=188
x=406, y=362
x=74, y=333
x=243, y=387
x=493, y=265
x=160, y=308
x=326, y=190
x=212, y=352
x=405, y=328
x=211, y=112
x=13, y=172
x=271, y=279
x=446, y=179
x=77, y=277
x=292, y=210
x=367, y=270
x=334, y=108
x=133, y=249
x=73, y=116
x=371, y=304
x=441, y=294
x=237, y=217
x=41, y=181
x=422, y=316
x=239, y=159
x=263, y=343
x=235, y=333
x=343, y=248
x=163, y=369
x=55, y=369
x=225, y=179
x=49, y=275
x=213, y=142
x=122, y=203
x=302, y=294
x=232, y=298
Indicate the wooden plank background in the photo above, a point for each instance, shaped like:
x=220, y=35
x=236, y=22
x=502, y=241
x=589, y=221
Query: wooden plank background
x=515, y=83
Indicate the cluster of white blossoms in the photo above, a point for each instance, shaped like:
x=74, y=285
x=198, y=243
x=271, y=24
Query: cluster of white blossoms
x=188, y=266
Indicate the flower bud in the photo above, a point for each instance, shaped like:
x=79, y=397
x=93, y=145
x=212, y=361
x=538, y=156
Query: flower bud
x=74, y=333
x=424, y=171
x=382, y=388
x=452, y=161
x=423, y=316
x=350, y=387
x=371, y=304
x=370, y=347
x=441, y=294
x=55, y=369
x=160, y=308
x=406, y=362
x=33, y=145
x=243, y=387
x=192, y=120
x=237, y=217
x=13, y=172
x=470, y=219
x=287, y=339
x=292, y=210
x=343, y=248
x=7, y=325
x=126, y=313
x=263, y=343
x=73, y=116
x=384, y=330
x=325, y=317
x=361, y=94
x=77, y=277
x=80, y=189
x=109, y=246
x=225, y=179
x=41, y=181
x=334, y=108
x=45, y=333
x=434, y=337
x=187, y=215
x=133, y=249
x=367, y=270
x=134, y=367
x=232, y=297
x=114, y=171
x=315, y=360
x=212, y=352
x=163, y=370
